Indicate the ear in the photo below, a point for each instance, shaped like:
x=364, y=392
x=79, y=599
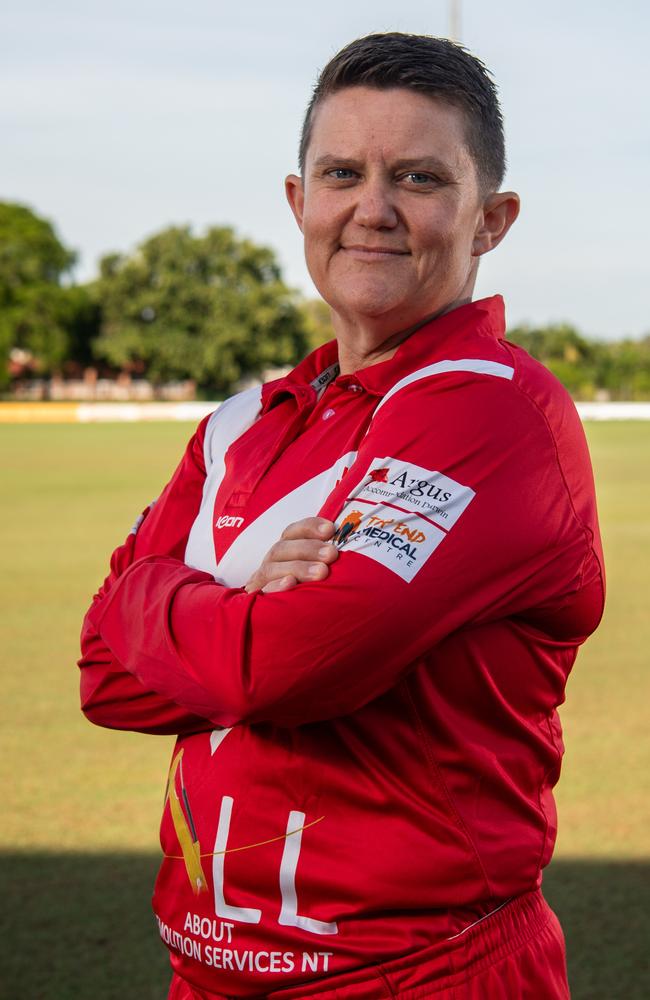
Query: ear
x=295, y=192
x=499, y=212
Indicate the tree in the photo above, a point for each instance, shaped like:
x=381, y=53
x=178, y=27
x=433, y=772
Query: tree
x=621, y=368
x=569, y=355
x=212, y=308
x=625, y=369
x=30, y=251
x=38, y=315
x=318, y=322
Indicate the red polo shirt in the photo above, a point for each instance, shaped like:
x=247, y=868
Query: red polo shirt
x=367, y=760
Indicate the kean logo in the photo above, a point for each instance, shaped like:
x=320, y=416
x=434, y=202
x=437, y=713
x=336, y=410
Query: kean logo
x=228, y=521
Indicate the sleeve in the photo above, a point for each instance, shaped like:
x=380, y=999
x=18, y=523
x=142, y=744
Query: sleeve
x=455, y=512
x=110, y=695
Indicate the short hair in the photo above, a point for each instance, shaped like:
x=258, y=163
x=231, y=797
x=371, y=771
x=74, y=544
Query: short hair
x=434, y=66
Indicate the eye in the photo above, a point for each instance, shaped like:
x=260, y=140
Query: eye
x=417, y=179
x=341, y=174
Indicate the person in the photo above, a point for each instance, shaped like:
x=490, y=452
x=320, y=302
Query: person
x=357, y=602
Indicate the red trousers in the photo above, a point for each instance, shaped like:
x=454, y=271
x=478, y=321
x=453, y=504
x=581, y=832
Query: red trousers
x=516, y=953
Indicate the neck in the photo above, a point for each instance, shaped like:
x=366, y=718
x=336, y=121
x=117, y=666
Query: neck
x=365, y=341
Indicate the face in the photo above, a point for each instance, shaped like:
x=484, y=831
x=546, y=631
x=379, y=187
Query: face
x=390, y=206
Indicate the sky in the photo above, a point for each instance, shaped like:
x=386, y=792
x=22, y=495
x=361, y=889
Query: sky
x=119, y=119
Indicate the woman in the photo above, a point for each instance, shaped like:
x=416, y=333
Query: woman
x=360, y=799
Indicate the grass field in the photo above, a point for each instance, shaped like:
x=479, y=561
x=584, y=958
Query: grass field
x=80, y=806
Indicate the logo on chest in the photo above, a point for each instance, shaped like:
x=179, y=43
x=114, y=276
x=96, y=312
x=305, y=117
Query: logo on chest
x=227, y=528
x=228, y=521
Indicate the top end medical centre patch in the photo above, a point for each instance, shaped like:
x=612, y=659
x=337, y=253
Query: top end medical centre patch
x=400, y=513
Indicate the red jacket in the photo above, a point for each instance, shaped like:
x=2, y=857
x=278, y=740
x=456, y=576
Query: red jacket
x=364, y=763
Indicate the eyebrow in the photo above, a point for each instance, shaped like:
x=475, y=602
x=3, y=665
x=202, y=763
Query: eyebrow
x=431, y=163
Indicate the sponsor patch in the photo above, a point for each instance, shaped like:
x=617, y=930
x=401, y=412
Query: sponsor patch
x=400, y=513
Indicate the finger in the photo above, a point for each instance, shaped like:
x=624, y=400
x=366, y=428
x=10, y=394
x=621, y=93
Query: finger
x=301, y=550
x=270, y=574
x=284, y=583
x=302, y=570
x=297, y=558
x=310, y=527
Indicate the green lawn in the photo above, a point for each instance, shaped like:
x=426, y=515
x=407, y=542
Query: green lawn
x=80, y=805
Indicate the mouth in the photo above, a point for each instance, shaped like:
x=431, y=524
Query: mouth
x=359, y=252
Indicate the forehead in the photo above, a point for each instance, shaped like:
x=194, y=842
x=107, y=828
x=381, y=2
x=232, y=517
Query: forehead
x=361, y=122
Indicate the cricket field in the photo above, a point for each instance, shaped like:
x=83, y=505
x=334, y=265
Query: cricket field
x=80, y=805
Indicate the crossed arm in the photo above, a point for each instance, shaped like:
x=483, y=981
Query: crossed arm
x=113, y=697
x=229, y=656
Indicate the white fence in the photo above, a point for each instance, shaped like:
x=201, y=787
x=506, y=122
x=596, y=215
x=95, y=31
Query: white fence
x=88, y=413
x=614, y=411
x=85, y=413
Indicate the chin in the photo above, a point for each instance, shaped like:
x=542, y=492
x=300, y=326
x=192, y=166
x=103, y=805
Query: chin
x=371, y=301
x=365, y=309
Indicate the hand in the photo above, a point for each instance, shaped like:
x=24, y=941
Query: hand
x=302, y=554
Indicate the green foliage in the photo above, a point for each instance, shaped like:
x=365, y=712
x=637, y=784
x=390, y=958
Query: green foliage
x=571, y=357
x=30, y=251
x=589, y=368
x=212, y=308
x=318, y=322
x=37, y=314
x=625, y=373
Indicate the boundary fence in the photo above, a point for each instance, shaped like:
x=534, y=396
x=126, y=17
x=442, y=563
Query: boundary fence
x=88, y=413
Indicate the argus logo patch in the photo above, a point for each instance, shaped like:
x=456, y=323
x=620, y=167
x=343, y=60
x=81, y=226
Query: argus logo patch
x=400, y=513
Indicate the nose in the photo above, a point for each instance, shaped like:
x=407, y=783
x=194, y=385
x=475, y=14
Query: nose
x=374, y=208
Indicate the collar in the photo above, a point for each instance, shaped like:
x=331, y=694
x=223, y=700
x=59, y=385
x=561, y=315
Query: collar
x=307, y=380
x=440, y=337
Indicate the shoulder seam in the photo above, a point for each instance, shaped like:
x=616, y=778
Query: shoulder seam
x=477, y=366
